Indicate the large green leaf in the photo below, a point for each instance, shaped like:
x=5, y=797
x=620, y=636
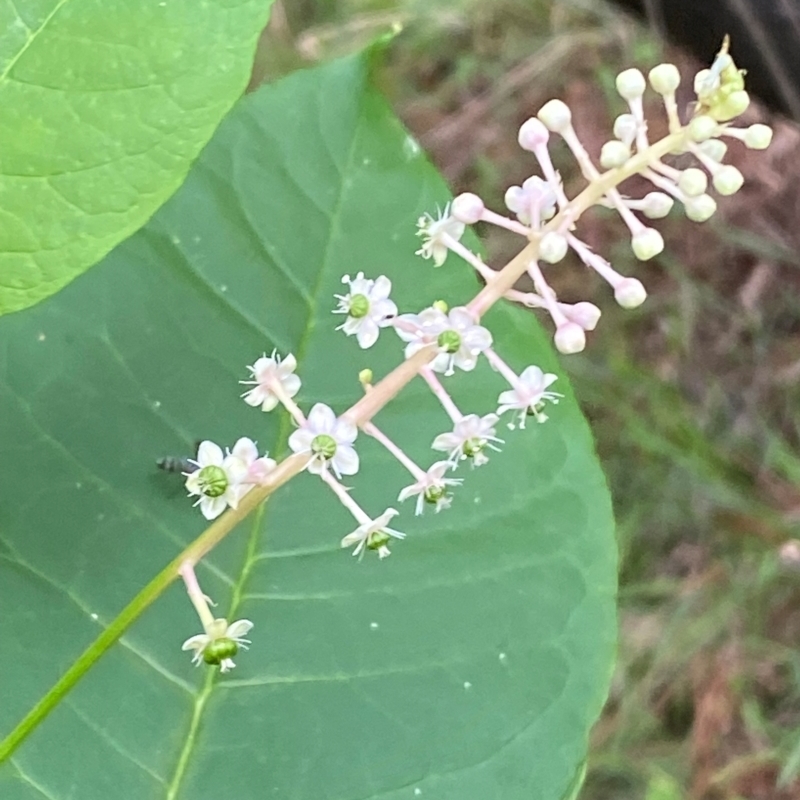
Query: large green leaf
x=103, y=107
x=469, y=665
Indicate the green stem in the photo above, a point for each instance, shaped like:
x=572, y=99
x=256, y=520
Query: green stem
x=361, y=413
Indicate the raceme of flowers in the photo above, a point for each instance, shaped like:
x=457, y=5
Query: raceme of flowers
x=456, y=339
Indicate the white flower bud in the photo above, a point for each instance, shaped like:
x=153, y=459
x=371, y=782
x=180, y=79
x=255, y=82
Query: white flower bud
x=646, y=244
x=553, y=247
x=702, y=127
x=758, y=137
x=614, y=154
x=532, y=134
x=630, y=293
x=701, y=208
x=631, y=84
x=587, y=315
x=556, y=115
x=733, y=105
x=704, y=82
x=693, y=182
x=664, y=78
x=467, y=208
x=715, y=149
x=728, y=180
x=625, y=127
x=656, y=205
x=569, y=338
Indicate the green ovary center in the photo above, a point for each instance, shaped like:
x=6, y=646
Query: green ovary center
x=213, y=481
x=377, y=540
x=220, y=649
x=449, y=341
x=434, y=494
x=323, y=445
x=359, y=306
x=473, y=446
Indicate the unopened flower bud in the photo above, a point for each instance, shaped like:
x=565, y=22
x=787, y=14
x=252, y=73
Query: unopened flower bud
x=625, y=127
x=700, y=208
x=441, y=305
x=365, y=377
x=758, y=137
x=630, y=84
x=587, y=315
x=656, y=205
x=728, y=180
x=614, y=154
x=467, y=208
x=647, y=243
x=553, y=247
x=715, y=149
x=630, y=293
x=693, y=182
x=664, y=78
x=555, y=114
x=702, y=127
x=569, y=338
x=733, y=105
x=532, y=134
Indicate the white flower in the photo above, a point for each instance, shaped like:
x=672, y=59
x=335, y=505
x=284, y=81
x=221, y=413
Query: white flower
x=535, y=199
x=217, y=480
x=327, y=440
x=459, y=338
x=529, y=395
x=367, y=306
x=470, y=436
x=432, y=488
x=257, y=468
x=432, y=232
x=219, y=643
x=269, y=374
x=373, y=535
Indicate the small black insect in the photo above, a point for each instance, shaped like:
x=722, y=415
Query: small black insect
x=176, y=464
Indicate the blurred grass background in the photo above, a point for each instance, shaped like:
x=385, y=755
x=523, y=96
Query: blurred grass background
x=693, y=398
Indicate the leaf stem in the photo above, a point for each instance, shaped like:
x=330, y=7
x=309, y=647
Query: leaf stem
x=360, y=413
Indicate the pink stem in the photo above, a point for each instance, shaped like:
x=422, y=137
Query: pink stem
x=372, y=430
x=441, y=393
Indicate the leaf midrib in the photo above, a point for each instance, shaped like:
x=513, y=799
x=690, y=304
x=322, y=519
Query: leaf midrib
x=250, y=561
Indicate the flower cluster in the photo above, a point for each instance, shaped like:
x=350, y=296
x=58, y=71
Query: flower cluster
x=546, y=217
x=438, y=340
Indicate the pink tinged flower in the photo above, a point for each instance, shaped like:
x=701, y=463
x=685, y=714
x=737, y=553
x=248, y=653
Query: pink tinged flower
x=258, y=468
x=529, y=395
x=434, y=231
x=534, y=202
x=432, y=488
x=217, y=481
x=268, y=375
x=459, y=339
x=373, y=535
x=367, y=306
x=469, y=439
x=327, y=440
x=219, y=643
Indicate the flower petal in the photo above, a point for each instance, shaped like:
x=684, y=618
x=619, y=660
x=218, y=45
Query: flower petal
x=345, y=460
x=197, y=643
x=209, y=454
x=239, y=628
x=246, y=450
x=321, y=419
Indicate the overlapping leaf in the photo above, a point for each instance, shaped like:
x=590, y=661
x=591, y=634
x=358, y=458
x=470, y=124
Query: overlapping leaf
x=103, y=107
x=470, y=665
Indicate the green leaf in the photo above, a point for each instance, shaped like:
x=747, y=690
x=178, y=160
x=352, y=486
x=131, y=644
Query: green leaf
x=104, y=107
x=471, y=664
